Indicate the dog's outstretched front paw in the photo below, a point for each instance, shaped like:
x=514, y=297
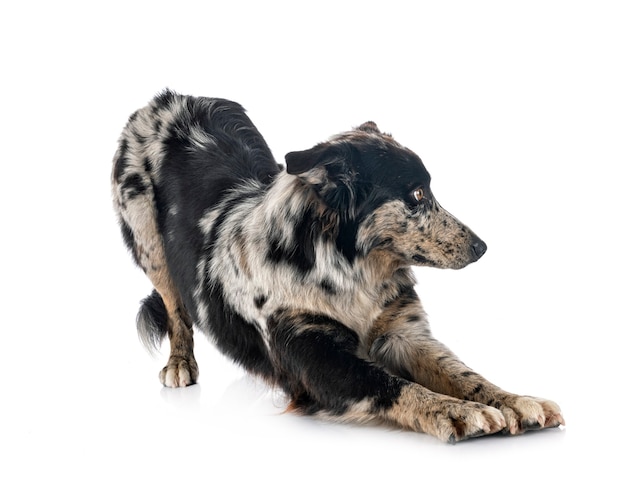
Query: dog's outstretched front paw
x=179, y=372
x=472, y=420
x=459, y=421
x=530, y=413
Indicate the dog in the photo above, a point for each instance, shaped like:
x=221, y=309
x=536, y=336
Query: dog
x=303, y=275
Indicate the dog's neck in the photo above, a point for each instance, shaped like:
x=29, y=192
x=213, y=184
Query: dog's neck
x=289, y=197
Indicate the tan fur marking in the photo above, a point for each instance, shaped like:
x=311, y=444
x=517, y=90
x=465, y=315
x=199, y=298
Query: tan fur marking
x=436, y=368
x=448, y=419
x=181, y=369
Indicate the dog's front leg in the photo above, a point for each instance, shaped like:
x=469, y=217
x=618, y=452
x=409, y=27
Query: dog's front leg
x=317, y=365
x=402, y=343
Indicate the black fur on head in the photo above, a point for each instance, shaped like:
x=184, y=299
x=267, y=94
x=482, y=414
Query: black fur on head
x=357, y=171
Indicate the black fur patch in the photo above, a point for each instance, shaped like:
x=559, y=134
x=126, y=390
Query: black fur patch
x=134, y=185
x=260, y=301
x=236, y=338
x=301, y=251
x=328, y=287
x=121, y=162
x=320, y=365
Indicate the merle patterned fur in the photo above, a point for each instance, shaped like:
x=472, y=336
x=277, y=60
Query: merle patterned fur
x=302, y=275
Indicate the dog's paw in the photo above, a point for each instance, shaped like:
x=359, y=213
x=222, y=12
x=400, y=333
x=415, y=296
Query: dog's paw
x=455, y=421
x=179, y=372
x=529, y=413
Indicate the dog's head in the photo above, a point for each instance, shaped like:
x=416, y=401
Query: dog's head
x=380, y=192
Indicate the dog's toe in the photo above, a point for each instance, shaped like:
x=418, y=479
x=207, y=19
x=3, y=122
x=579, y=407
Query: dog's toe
x=179, y=372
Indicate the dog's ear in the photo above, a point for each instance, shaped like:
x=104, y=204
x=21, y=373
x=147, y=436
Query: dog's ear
x=300, y=162
x=329, y=169
x=369, y=127
x=325, y=153
x=329, y=156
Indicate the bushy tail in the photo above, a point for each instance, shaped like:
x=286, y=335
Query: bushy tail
x=152, y=321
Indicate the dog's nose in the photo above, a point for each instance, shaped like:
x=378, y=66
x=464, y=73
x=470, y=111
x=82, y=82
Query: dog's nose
x=478, y=248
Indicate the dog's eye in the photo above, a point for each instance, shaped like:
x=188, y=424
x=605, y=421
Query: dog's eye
x=417, y=195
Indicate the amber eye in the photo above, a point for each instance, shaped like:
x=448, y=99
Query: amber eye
x=417, y=194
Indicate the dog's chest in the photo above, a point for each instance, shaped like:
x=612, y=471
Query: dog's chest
x=257, y=299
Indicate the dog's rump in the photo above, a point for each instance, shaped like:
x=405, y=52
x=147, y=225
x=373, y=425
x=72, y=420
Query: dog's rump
x=190, y=150
x=208, y=145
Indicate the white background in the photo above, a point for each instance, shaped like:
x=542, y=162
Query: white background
x=516, y=108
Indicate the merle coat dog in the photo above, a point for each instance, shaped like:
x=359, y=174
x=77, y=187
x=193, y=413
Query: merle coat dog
x=304, y=275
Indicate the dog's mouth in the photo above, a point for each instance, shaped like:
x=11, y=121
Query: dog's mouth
x=464, y=255
x=422, y=260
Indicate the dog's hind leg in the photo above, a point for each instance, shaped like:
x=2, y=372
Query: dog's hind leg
x=181, y=369
x=163, y=312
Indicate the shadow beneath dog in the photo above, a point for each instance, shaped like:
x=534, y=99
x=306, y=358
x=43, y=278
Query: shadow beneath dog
x=252, y=395
x=182, y=397
x=246, y=394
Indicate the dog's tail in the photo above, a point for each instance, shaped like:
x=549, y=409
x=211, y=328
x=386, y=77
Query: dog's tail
x=152, y=321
